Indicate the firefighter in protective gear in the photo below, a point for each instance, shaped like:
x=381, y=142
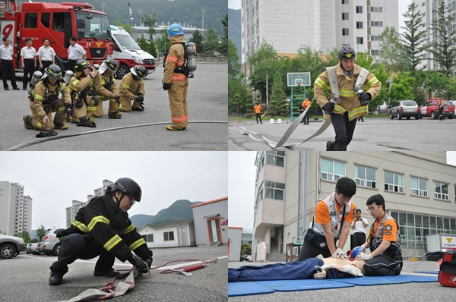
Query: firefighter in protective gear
x=175, y=79
x=45, y=100
x=106, y=88
x=383, y=241
x=350, y=105
x=132, y=88
x=81, y=90
x=102, y=228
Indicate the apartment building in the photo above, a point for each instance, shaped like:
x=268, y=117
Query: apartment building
x=15, y=209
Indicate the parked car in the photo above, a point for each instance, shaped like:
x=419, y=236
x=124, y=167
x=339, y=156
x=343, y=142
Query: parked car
x=406, y=108
x=51, y=244
x=10, y=246
x=36, y=249
x=28, y=249
x=431, y=108
x=383, y=108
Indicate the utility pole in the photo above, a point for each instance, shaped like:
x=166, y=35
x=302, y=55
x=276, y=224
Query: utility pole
x=202, y=23
x=130, y=13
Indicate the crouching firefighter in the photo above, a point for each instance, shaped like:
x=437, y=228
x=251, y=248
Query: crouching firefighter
x=44, y=100
x=82, y=94
x=102, y=228
x=179, y=66
x=351, y=87
x=383, y=241
x=132, y=88
x=106, y=89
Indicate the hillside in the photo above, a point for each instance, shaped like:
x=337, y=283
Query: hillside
x=234, y=29
x=165, y=11
x=179, y=211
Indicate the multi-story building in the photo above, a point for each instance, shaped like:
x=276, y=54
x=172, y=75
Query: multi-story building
x=428, y=9
x=15, y=209
x=322, y=25
x=419, y=190
x=76, y=204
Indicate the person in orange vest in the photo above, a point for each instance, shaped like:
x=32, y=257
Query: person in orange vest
x=305, y=104
x=441, y=117
x=257, y=110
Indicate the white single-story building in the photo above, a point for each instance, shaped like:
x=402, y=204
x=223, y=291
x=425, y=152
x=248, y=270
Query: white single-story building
x=176, y=235
x=211, y=222
x=234, y=243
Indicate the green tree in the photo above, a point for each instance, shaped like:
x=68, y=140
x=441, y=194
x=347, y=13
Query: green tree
x=24, y=235
x=402, y=87
x=392, y=52
x=437, y=83
x=197, y=38
x=224, y=40
x=211, y=42
x=162, y=42
x=246, y=249
x=40, y=232
x=413, y=38
x=443, y=49
x=233, y=65
x=149, y=21
x=126, y=27
x=276, y=102
x=451, y=88
x=382, y=76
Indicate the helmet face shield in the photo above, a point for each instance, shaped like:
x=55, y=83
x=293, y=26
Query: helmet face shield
x=139, y=71
x=81, y=65
x=53, y=72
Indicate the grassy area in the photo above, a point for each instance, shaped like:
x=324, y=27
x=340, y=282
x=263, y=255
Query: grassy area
x=267, y=118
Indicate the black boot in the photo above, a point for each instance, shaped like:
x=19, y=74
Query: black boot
x=329, y=146
x=84, y=122
x=55, y=279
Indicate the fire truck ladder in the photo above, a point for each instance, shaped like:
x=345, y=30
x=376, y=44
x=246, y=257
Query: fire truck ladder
x=6, y=7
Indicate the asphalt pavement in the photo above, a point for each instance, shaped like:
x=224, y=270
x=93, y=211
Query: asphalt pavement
x=408, y=292
x=136, y=131
x=25, y=278
x=374, y=134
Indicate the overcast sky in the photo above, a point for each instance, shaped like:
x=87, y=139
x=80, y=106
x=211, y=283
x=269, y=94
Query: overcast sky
x=54, y=179
x=241, y=179
x=236, y=4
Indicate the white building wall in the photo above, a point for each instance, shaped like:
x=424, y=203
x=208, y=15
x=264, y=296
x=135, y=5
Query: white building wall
x=234, y=237
x=15, y=209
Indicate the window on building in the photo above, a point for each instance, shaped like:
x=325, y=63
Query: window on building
x=359, y=40
x=276, y=158
x=148, y=237
x=168, y=236
x=375, y=23
x=365, y=177
x=332, y=169
x=359, y=9
x=274, y=190
x=359, y=24
x=441, y=190
x=344, y=1
x=394, y=182
x=345, y=16
x=345, y=31
x=418, y=186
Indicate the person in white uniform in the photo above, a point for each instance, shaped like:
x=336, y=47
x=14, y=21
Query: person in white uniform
x=46, y=55
x=75, y=52
x=28, y=61
x=6, y=64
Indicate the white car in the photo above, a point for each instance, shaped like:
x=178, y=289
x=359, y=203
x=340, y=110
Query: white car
x=10, y=246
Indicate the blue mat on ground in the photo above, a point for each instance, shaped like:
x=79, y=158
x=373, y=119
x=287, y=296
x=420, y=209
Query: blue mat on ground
x=381, y=280
x=418, y=278
x=304, y=284
x=427, y=272
x=247, y=288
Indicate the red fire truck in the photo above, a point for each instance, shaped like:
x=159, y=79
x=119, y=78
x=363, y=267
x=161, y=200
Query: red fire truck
x=57, y=22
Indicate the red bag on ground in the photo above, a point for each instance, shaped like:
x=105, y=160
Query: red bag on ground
x=447, y=274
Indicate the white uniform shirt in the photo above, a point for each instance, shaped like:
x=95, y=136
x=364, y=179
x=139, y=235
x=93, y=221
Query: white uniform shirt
x=6, y=52
x=359, y=226
x=28, y=52
x=46, y=53
x=75, y=52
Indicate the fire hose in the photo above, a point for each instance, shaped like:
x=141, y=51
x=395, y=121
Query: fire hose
x=113, y=289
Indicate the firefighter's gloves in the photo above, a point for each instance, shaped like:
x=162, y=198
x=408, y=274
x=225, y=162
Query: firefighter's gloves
x=67, y=109
x=364, y=256
x=328, y=107
x=139, y=98
x=138, y=262
x=166, y=86
x=364, y=98
x=149, y=261
x=339, y=253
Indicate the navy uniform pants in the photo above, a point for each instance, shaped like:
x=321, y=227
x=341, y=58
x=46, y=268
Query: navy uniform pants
x=78, y=246
x=383, y=265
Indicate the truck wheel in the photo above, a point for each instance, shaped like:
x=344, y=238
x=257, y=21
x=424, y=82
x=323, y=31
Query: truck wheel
x=7, y=251
x=121, y=71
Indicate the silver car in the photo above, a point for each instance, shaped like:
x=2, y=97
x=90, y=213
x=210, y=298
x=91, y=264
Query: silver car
x=407, y=108
x=51, y=244
x=10, y=246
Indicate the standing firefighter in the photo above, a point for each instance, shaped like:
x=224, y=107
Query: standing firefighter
x=351, y=87
x=106, y=88
x=44, y=100
x=132, y=88
x=81, y=93
x=102, y=228
x=175, y=79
